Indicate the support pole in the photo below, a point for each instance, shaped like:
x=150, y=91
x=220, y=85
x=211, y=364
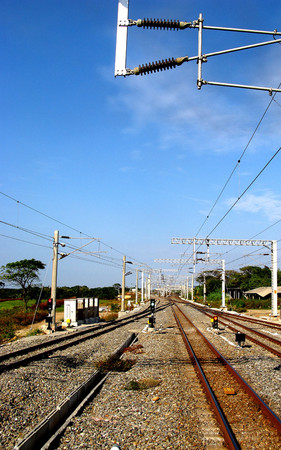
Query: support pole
x=137, y=285
x=54, y=277
x=274, y=298
x=142, y=286
x=123, y=285
x=204, y=289
x=223, y=283
x=200, y=58
x=145, y=290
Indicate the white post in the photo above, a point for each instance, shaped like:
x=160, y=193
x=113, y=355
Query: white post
x=145, y=290
x=187, y=287
x=204, y=289
x=137, y=285
x=200, y=32
x=121, y=38
x=123, y=285
x=192, y=278
x=54, y=277
x=142, y=286
x=223, y=283
x=274, y=297
x=149, y=286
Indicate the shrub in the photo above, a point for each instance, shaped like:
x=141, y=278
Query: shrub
x=144, y=383
x=114, y=364
x=115, y=307
x=34, y=332
x=239, y=305
x=7, y=330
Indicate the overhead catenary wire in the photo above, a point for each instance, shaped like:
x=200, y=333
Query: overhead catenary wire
x=26, y=230
x=238, y=161
x=68, y=226
x=26, y=242
x=244, y=192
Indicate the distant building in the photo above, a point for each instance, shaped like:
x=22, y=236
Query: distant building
x=261, y=292
x=234, y=293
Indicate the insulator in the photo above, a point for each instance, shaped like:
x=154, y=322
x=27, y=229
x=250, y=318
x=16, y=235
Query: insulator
x=159, y=65
x=156, y=66
x=162, y=24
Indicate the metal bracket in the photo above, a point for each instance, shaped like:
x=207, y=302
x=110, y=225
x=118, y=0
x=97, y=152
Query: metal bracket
x=123, y=22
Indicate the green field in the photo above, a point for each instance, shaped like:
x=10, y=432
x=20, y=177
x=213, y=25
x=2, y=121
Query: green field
x=9, y=304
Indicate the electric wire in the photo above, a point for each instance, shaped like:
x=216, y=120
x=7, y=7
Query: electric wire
x=40, y=294
x=244, y=192
x=40, y=212
x=68, y=226
x=26, y=230
x=239, y=161
x=22, y=240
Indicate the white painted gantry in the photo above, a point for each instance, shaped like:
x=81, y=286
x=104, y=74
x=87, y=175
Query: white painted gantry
x=271, y=245
x=123, y=22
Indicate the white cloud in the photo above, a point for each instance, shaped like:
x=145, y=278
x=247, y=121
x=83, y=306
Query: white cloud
x=267, y=203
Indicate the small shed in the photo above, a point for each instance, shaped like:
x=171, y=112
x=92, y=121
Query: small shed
x=261, y=292
x=80, y=310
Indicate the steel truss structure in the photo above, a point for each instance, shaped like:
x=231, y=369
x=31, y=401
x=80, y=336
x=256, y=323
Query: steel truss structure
x=272, y=245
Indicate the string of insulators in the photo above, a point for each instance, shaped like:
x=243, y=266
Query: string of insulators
x=163, y=24
x=159, y=65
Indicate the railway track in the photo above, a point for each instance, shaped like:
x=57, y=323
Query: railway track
x=45, y=391
x=228, y=319
x=43, y=350
x=53, y=390
x=45, y=434
x=244, y=417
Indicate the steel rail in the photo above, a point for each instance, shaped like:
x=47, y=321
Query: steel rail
x=70, y=341
x=251, y=319
x=274, y=419
x=225, y=427
x=235, y=316
x=49, y=429
x=250, y=338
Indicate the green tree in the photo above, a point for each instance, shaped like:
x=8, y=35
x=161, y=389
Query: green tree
x=22, y=273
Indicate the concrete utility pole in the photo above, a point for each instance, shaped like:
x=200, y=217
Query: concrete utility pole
x=123, y=285
x=54, y=277
x=192, y=286
x=137, y=285
x=142, y=287
x=149, y=286
x=204, y=289
x=223, y=283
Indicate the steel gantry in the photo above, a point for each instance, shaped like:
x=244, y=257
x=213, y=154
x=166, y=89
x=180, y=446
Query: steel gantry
x=123, y=22
x=271, y=245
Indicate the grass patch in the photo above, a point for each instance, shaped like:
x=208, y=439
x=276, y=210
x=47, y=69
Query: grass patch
x=7, y=330
x=114, y=364
x=137, y=348
x=34, y=332
x=144, y=383
x=9, y=304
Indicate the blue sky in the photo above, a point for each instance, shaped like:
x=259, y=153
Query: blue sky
x=133, y=161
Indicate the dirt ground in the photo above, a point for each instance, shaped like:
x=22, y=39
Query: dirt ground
x=263, y=314
x=24, y=331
